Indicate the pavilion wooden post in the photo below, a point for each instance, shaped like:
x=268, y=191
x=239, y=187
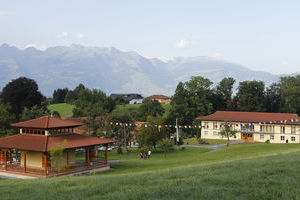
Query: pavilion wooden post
x=45, y=157
x=5, y=159
x=106, y=154
x=87, y=156
x=24, y=160
x=68, y=160
x=10, y=157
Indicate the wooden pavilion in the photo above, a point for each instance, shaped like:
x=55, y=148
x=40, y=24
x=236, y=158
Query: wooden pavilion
x=28, y=151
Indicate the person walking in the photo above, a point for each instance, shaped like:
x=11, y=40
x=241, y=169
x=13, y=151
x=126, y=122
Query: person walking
x=149, y=154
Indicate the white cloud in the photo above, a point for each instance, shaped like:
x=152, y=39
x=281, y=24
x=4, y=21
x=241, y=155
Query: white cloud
x=4, y=12
x=63, y=35
x=42, y=47
x=80, y=35
x=284, y=62
x=183, y=44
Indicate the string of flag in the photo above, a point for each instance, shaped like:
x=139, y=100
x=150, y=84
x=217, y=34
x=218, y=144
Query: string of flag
x=225, y=124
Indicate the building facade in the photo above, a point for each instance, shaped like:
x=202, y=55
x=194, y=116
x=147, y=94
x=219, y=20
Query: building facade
x=253, y=126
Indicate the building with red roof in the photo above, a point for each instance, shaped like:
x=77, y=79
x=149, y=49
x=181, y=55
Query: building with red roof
x=160, y=98
x=29, y=151
x=253, y=126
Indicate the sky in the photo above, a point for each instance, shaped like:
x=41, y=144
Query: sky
x=258, y=34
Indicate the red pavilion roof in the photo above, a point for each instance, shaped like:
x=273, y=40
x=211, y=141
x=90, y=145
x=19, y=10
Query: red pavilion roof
x=47, y=122
x=46, y=143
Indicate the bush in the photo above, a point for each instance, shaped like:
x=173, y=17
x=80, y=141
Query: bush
x=202, y=141
x=165, y=145
x=267, y=141
x=180, y=141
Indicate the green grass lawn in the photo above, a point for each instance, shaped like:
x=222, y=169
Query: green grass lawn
x=65, y=110
x=242, y=171
x=194, y=141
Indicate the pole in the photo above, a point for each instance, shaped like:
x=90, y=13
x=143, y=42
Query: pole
x=177, y=135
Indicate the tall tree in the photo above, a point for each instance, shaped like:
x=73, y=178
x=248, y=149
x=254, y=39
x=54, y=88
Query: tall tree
x=251, y=96
x=191, y=99
x=120, y=132
x=93, y=104
x=20, y=93
x=222, y=95
x=273, y=98
x=290, y=94
x=150, y=108
x=5, y=119
x=73, y=95
x=34, y=112
x=59, y=95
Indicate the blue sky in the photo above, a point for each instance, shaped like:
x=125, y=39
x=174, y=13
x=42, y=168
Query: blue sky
x=262, y=35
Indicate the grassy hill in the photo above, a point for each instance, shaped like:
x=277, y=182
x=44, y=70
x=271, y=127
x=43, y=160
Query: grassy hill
x=64, y=109
x=167, y=107
x=243, y=171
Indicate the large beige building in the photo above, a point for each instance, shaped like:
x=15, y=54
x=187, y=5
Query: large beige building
x=253, y=126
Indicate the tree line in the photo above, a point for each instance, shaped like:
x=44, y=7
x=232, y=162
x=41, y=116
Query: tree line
x=21, y=100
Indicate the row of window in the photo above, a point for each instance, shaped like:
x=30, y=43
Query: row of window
x=261, y=137
x=51, y=132
x=263, y=128
x=282, y=138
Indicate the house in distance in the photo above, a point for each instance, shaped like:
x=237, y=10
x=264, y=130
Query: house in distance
x=161, y=98
x=131, y=98
x=29, y=151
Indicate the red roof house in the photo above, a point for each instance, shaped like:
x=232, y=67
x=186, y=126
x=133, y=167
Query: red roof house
x=161, y=98
x=28, y=151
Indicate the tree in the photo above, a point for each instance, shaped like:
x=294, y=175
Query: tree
x=93, y=104
x=191, y=100
x=251, y=96
x=56, y=156
x=290, y=94
x=5, y=119
x=34, y=112
x=227, y=131
x=120, y=132
x=166, y=145
x=273, y=98
x=59, y=95
x=73, y=95
x=149, y=136
x=150, y=108
x=222, y=95
x=20, y=93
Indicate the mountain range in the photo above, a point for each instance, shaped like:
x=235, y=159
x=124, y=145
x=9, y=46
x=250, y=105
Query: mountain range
x=114, y=71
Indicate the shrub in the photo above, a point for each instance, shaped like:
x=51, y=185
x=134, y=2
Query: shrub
x=165, y=145
x=180, y=141
x=202, y=141
x=267, y=141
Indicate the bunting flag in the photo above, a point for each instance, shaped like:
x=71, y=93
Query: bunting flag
x=227, y=124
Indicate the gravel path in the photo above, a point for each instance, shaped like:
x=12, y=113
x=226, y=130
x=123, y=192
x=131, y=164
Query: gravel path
x=215, y=147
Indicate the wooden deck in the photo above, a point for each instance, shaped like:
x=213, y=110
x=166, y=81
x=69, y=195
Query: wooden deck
x=16, y=168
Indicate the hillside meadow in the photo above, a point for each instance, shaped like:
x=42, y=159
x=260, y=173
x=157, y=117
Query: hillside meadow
x=66, y=110
x=242, y=171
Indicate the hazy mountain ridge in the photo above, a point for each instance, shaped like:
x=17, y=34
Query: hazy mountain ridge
x=114, y=71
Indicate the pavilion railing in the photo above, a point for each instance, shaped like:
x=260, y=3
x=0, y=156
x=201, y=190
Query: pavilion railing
x=52, y=171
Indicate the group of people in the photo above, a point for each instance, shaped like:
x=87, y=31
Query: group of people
x=145, y=155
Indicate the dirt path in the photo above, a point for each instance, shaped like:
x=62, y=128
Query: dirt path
x=215, y=147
